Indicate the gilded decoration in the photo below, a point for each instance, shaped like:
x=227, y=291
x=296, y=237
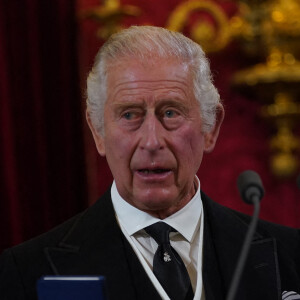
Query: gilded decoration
x=270, y=32
x=109, y=15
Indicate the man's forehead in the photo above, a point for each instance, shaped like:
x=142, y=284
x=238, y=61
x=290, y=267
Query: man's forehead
x=128, y=62
x=131, y=71
x=136, y=81
x=139, y=85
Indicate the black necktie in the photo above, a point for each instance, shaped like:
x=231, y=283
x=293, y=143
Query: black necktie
x=168, y=267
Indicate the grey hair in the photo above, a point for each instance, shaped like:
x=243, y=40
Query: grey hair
x=143, y=42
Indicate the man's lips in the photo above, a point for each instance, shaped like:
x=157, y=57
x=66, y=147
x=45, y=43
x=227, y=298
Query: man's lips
x=153, y=174
x=153, y=171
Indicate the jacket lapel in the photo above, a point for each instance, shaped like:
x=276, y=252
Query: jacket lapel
x=95, y=245
x=260, y=279
x=212, y=280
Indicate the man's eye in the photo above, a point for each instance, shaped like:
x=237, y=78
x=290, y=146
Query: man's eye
x=170, y=113
x=131, y=115
x=128, y=116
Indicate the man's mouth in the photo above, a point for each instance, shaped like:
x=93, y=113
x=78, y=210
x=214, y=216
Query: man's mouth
x=154, y=171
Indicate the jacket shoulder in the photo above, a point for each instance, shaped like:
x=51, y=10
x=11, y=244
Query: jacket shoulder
x=57, y=234
x=22, y=265
x=287, y=238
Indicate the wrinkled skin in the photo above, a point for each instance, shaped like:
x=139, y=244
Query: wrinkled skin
x=153, y=140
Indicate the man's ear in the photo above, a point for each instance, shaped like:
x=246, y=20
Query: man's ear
x=98, y=138
x=210, y=137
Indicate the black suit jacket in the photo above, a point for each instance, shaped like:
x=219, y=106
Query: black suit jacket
x=92, y=243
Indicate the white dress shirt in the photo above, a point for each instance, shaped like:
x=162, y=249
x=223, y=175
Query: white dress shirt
x=188, y=241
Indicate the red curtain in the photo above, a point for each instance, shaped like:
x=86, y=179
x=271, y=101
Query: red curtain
x=42, y=173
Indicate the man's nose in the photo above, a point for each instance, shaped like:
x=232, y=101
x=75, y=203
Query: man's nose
x=151, y=134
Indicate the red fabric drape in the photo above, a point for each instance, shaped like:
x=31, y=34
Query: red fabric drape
x=42, y=174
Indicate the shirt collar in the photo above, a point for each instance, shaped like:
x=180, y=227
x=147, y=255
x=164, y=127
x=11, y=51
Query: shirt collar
x=185, y=221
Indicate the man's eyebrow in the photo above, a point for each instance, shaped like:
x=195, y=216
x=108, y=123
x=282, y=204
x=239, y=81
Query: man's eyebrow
x=127, y=104
x=171, y=100
x=176, y=101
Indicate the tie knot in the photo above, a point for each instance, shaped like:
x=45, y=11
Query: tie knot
x=160, y=232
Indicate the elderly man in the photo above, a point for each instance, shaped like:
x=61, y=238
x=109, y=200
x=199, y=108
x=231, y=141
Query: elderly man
x=153, y=112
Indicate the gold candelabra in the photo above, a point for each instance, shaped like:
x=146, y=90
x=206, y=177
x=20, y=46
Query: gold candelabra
x=270, y=32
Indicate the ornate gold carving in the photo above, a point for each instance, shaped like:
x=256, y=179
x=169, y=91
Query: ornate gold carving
x=279, y=67
x=270, y=31
x=284, y=114
x=110, y=14
x=212, y=37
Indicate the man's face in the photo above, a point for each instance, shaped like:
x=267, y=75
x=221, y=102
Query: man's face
x=153, y=138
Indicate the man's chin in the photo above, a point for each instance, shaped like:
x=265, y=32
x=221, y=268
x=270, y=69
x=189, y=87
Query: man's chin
x=153, y=203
